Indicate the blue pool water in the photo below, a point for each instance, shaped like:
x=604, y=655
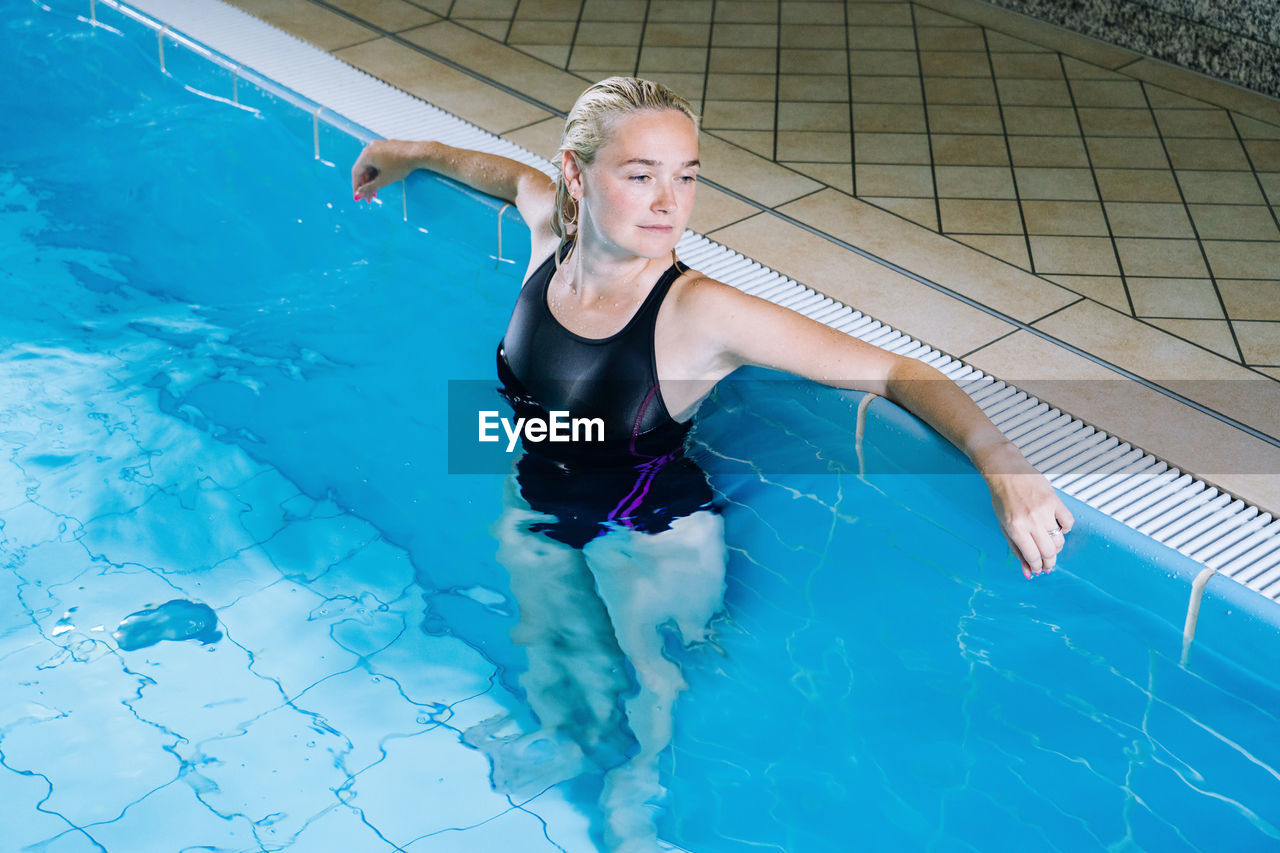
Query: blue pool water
x=243, y=605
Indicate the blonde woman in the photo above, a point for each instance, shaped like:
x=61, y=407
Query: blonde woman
x=608, y=540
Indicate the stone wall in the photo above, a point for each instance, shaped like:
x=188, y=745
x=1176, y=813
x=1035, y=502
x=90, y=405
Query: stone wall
x=1233, y=40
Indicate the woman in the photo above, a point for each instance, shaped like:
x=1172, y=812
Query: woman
x=609, y=541
x=603, y=241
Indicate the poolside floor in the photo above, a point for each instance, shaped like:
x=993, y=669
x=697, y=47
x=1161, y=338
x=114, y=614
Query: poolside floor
x=1094, y=226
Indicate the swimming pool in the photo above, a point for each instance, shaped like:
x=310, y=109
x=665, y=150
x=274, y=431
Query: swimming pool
x=234, y=400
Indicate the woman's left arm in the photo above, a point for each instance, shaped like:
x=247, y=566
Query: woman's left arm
x=747, y=330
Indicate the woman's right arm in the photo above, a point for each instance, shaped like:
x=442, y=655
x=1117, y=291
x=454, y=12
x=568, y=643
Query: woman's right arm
x=385, y=161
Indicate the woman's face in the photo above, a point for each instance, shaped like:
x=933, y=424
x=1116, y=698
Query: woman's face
x=639, y=192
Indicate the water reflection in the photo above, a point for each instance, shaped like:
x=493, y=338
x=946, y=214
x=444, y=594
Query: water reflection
x=593, y=622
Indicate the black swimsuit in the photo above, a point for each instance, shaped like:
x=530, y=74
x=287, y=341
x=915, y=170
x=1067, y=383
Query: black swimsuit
x=638, y=477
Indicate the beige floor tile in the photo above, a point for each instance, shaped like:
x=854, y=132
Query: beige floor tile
x=1081, y=69
x=1160, y=257
x=795, y=61
x=751, y=175
x=1219, y=187
x=1177, y=433
x=820, y=117
x=1108, y=93
x=1034, y=93
x=977, y=216
x=1026, y=66
x=680, y=11
x=737, y=87
x=745, y=35
x=1073, y=255
x=1060, y=151
x=813, y=87
x=888, y=118
x=1237, y=259
x=1198, y=86
x=922, y=211
x=1161, y=97
x=1056, y=184
x=999, y=42
x=554, y=55
x=1251, y=128
x=914, y=308
x=1224, y=154
x=1127, y=153
x=838, y=175
x=548, y=10
x=868, y=37
x=501, y=63
x=687, y=85
x=734, y=59
x=823, y=13
x=677, y=34
x=812, y=35
x=926, y=17
x=1273, y=372
x=876, y=14
x=1016, y=293
x=313, y=24
x=884, y=62
x=1251, y=300
x=1213, y=335
x=492, y=9
x=601, y=59
x=1107, y=289
x=1064, y=218
x=745, y=12
x=885, y=90
x=1099, y=121
x=611, y=10
x=1047, y=121
x=541, y=138
x=390, y=15
x=963, y=38
x=1271, y=186
x=1234, y=222
x=986, y=182
x=607, y=33
x=715, y=209
x=934, y=63
x=494, y=29
x=451, y=90
x=961, y=119
x=756, y=141
x=1259, y=341
x=1192, y=298
x=966, y=90
x=675, y=59
x=814, y=146
x=525, y=32
x=738, y=115
x=904, y=181
x=965, y=149
x=1149, y=219
x=907, y=148
x=1137, y=185
x=1194, y=123
x=1006, y=247
x=1264, y=154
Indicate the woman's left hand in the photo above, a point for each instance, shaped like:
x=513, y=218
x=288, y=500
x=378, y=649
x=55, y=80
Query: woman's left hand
x=1034, y=520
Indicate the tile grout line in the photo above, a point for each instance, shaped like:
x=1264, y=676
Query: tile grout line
x=924, y=108
x=1008, y=150
x=1097, y=187
x=848, y=82
x=1195, y=229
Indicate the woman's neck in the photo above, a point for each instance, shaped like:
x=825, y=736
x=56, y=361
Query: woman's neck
x=594, y=274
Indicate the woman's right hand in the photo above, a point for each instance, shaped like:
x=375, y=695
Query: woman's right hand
x=381, y=163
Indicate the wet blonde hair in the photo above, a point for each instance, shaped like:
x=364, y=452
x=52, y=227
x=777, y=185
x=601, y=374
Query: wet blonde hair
x=590, y=124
